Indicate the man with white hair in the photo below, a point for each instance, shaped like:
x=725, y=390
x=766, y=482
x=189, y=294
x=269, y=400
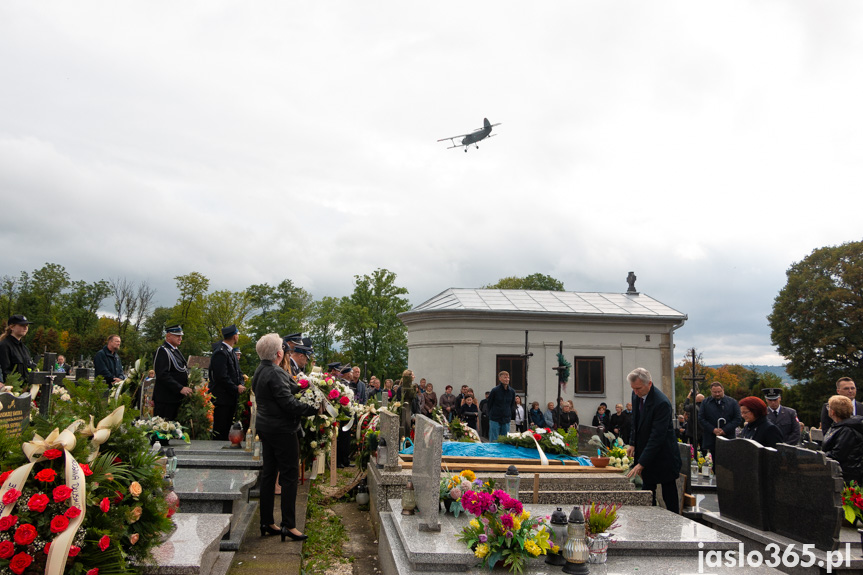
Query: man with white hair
x=652, y=440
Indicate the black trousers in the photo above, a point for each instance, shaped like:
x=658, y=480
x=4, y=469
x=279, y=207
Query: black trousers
x=223, y=416
x=669, y=495
x=167, y=411
x=281, y=453
x=343, y=447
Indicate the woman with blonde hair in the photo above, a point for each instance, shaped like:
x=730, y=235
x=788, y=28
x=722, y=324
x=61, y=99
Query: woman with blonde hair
x=844, y=439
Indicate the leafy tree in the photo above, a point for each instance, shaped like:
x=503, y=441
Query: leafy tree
x=189, y=312
x=817, y=318
x=192, y=288
x=47, y=285
x=535, y=281
x=81, y=303
x=284, y=309
x=373, y=334
x=323, y=328
x=223, y=308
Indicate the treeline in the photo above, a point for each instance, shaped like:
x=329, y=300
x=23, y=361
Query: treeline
x=361, y=328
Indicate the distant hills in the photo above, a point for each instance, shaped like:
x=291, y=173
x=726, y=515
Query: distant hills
x=776, y=369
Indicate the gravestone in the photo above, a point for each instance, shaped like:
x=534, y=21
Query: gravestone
x=425, y=473
x=740, y=481
x=803, y=495
x=14, y=413
x=512, y=428
x=200, y=362
x=45, y=381
x=389, y=423
x=686, y=464
x=83, y=373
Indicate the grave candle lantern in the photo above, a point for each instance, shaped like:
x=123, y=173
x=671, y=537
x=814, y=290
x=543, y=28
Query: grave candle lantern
x=558, y=529
x=512, y=481
x=576, y=552
x=382, y=453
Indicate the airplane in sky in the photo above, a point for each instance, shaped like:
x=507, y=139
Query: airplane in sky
x=473, y=137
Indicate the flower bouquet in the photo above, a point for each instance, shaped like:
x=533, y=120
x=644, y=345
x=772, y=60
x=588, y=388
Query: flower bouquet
x=318, y=390
x=502, y=530
x=452, y=489
x=159, y=429
x=618, y=458
x=550, y=441
x=196, y=410
x=852, y=502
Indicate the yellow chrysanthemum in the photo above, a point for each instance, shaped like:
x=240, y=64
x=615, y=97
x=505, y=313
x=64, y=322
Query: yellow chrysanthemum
x=532, y=548
x=516, y=524
x=481, y=550
x=468, y=474
x=474, y=523
x=555, y=549
x=525, y=515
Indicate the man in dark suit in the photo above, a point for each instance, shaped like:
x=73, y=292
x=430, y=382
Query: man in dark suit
x=226, y=382
x=782, y=417
x=652, y=441
x=718, y=409
x=844, y=386
x=172, y=376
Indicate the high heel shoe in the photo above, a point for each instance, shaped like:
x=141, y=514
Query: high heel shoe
x=270, y=530
x=287, y=533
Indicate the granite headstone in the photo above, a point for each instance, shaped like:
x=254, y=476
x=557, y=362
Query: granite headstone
x=686, y=464
x=389, y=423
x=14, y=412
x=803, y=495
x=425, y=473
x=740, y=481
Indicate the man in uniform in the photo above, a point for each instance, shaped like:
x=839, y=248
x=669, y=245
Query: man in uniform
x=14, y=355
x=844, y=386
x=172, y=375
x=299, y=358
x=782, y=417
x=289, y=341
x=226, y=382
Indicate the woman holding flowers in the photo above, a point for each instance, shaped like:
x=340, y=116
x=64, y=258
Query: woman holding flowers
x=278, y=420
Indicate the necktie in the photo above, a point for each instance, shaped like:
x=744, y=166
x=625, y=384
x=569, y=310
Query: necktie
x=641, y=405
x=775, y=412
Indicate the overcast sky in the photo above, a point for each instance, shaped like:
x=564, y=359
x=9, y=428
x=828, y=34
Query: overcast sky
x=705, y=146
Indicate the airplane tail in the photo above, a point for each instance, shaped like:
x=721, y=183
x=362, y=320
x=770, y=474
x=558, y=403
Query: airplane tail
x=486, y=123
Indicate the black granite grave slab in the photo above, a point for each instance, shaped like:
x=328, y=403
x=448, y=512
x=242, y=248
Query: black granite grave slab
x=803, y=495
x=686, y=464
x=740, y=480
x=14, y=412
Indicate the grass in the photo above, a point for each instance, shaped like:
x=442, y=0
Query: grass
x=323, y=548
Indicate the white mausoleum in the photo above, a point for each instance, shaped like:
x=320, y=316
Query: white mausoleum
x=467, y=336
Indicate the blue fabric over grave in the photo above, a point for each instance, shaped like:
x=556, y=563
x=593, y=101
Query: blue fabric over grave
x=499, y=450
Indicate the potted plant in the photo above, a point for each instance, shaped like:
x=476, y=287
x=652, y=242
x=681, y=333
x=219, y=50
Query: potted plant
x=599, y=519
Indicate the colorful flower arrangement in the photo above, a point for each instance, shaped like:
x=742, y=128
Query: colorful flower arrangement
x=163, y=430
x=90, y=496
x=196, y=410
x=700, y=459
x=599, y=518
x=454, y=487
x=550, y=440
x=502, y=530
x=852, y=502
x=315, y=389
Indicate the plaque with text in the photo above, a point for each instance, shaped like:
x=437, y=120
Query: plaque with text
x=14, y=412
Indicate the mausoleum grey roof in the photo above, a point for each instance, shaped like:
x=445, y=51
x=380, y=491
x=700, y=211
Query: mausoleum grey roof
x=553, y=303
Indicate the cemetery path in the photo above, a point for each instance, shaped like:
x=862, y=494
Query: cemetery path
x=363, y=544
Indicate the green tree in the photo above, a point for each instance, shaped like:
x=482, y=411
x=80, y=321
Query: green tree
x=817, y=318
x=370, y=329
x=284, y=309
x=323, y=328
x=80, y=304
x=47, y=285
x=532, y=282
x=189, y=312
x=223, y=308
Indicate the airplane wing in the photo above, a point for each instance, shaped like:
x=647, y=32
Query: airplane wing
x=453, y=137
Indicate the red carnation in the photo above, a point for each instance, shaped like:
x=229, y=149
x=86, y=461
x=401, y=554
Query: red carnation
x=46, y=476
x=104, y=542
x=8, y=522
x=93, y=571
x=105, y=505
x=25, y=534
x=86, y=469
x=11, y=496
x=47, y=548
x=59, y=524
x=344, y=400
x=61, y=493
x=4, y=475
x=537, y=436
x=53, y=454
x=7, y=549
x=38, y=502
x=19, y=563
x=73, y=551
x=72, y=512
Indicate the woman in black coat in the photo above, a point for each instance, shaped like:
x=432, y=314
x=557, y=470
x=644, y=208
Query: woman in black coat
x=844, y=439
x=277, y=422
x=758, y=427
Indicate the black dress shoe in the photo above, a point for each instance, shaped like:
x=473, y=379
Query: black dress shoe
x=270, y=530
x=288, y=533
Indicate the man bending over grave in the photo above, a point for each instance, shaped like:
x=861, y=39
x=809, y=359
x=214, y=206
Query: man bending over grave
x=652, y=442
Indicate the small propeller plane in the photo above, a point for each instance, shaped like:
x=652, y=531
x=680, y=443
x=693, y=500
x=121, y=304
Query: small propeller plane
x=473, y=137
